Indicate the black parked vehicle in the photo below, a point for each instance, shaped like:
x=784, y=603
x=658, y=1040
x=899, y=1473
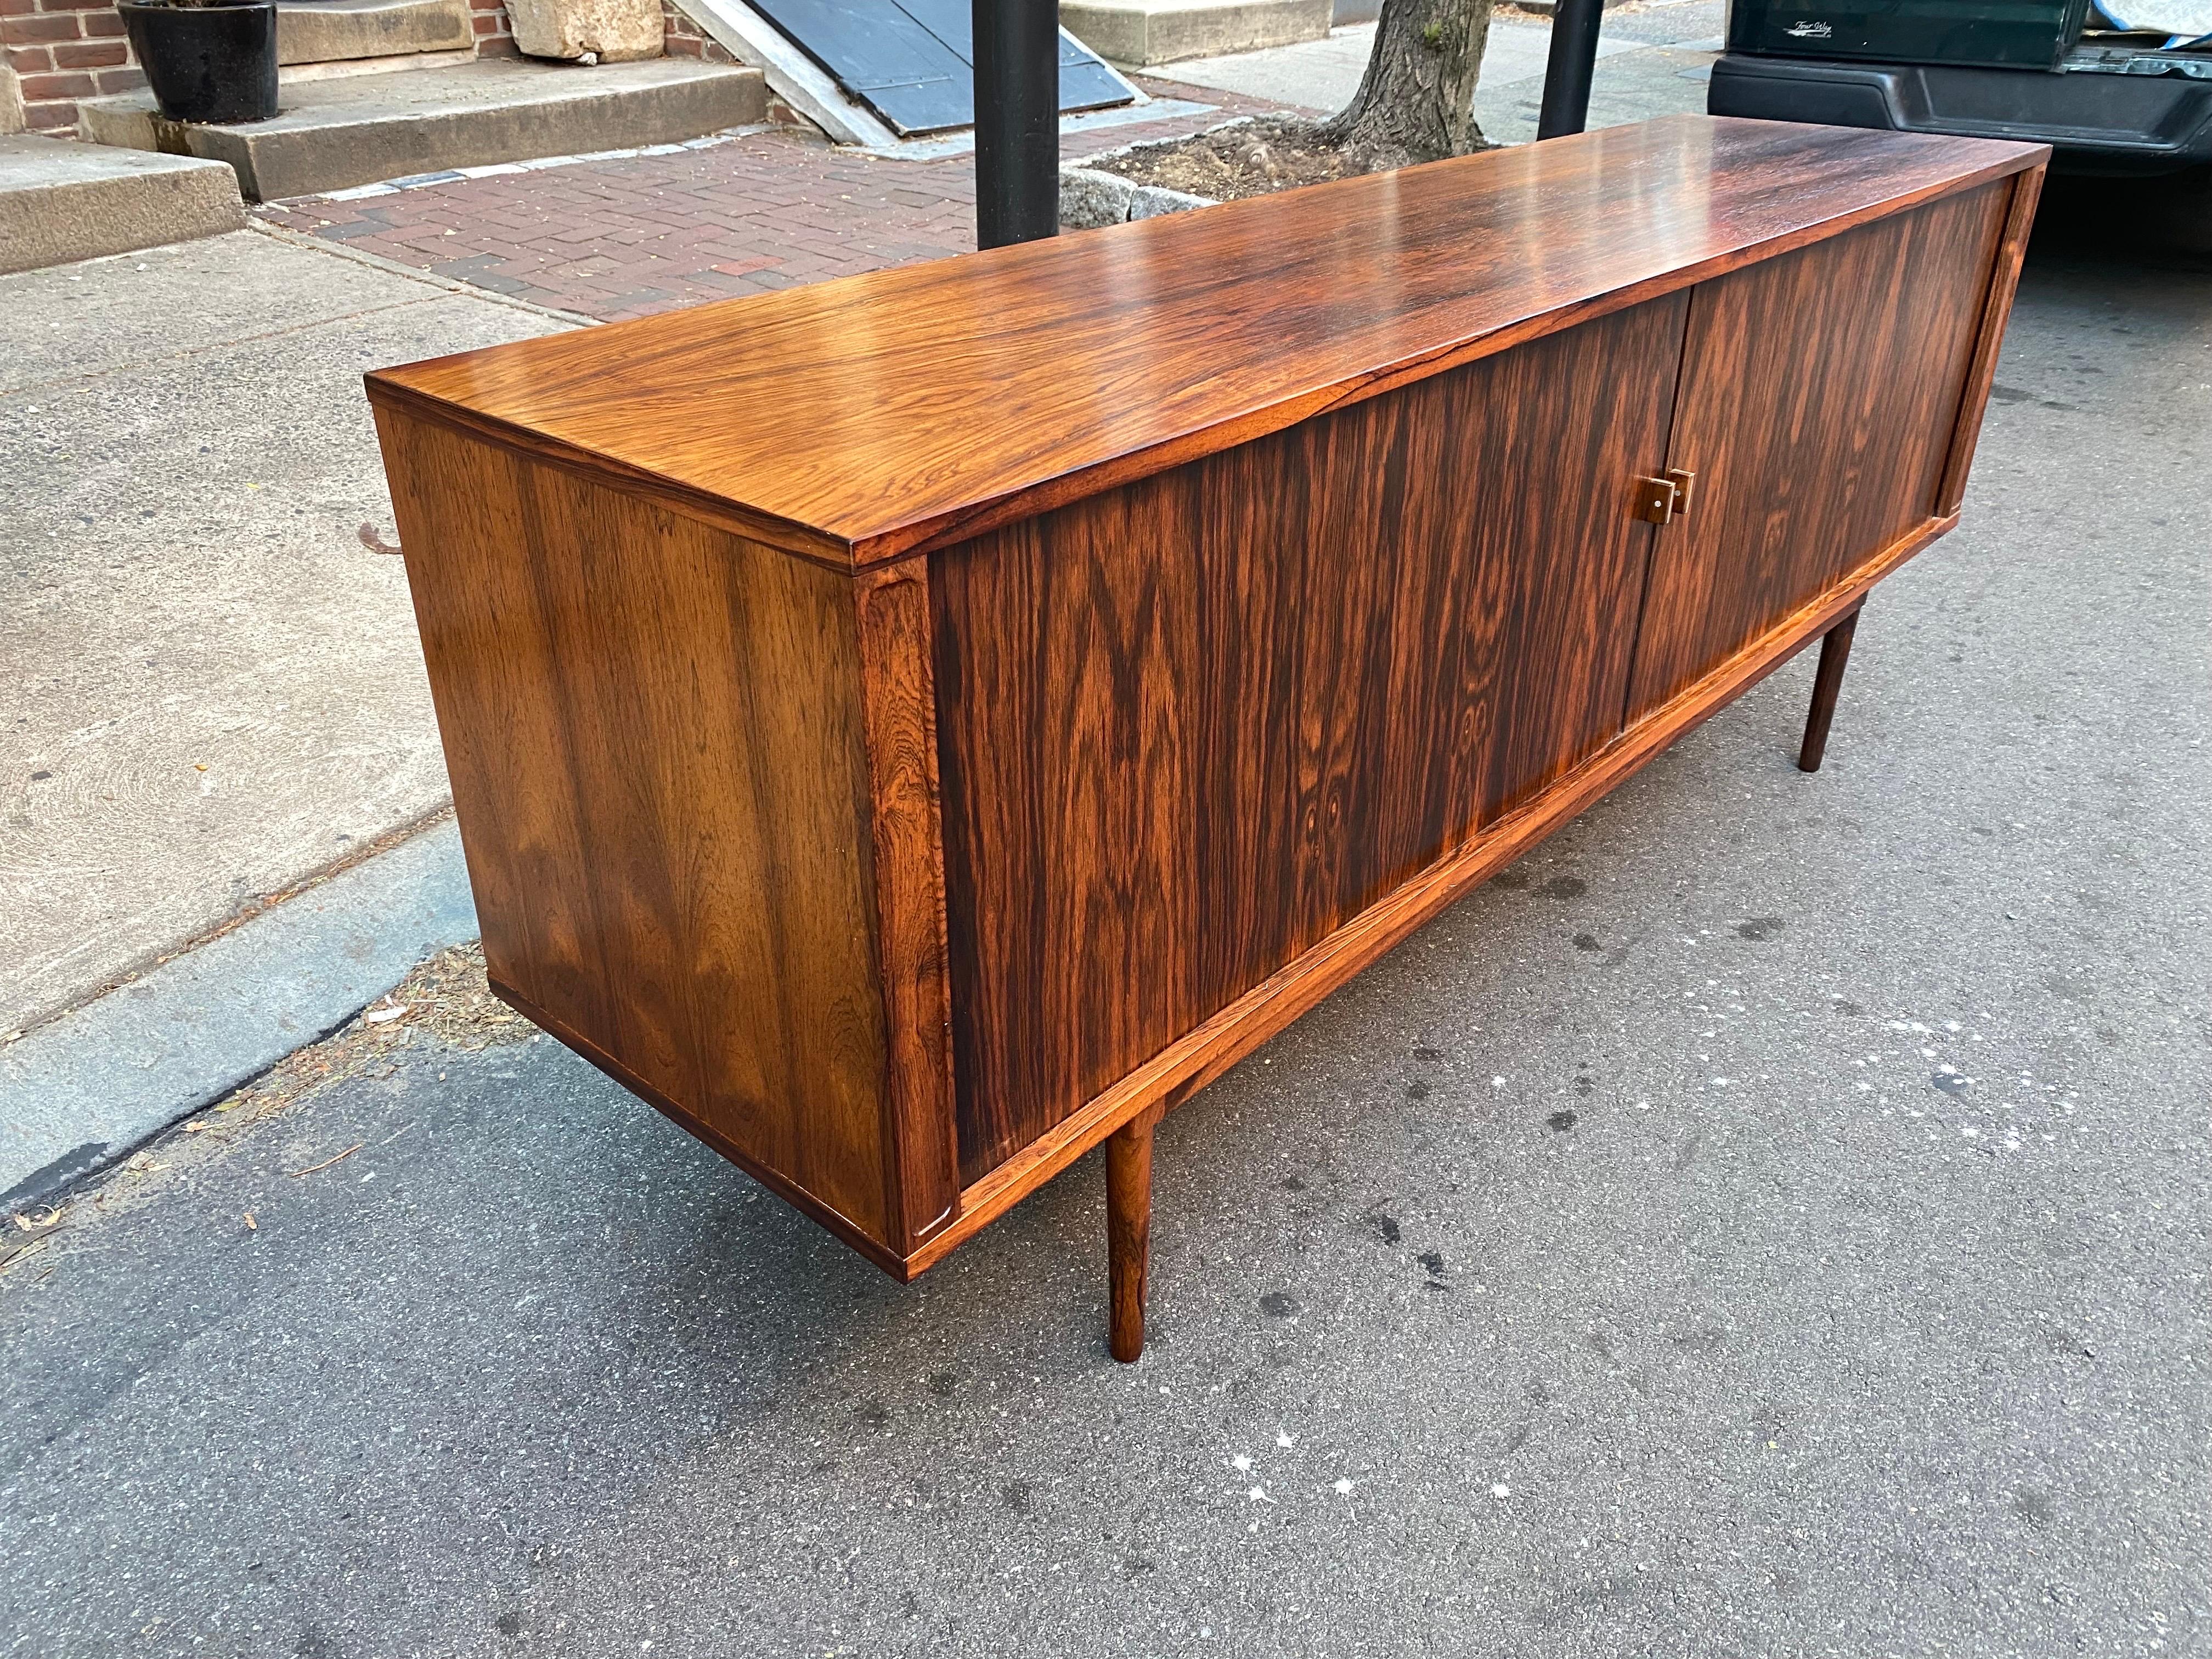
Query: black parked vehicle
x=2116, y=90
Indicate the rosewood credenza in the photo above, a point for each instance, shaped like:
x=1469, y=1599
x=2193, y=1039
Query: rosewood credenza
x=915, y=728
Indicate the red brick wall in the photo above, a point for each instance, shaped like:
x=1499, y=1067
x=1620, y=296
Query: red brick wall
x=682, y=38
x=494, y=37
x=63, y=51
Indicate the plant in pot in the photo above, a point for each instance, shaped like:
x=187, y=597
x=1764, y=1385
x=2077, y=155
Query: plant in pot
x=206, y=60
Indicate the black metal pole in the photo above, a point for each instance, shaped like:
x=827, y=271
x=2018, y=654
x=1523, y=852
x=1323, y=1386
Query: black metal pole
x=1017, y=120
x=1566, y=73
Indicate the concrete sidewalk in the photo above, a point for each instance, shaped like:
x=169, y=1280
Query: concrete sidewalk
x=214, y=686
x=1771, y=1220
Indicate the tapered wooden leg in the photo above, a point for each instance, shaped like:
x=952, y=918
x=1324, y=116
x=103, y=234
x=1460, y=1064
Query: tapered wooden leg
x=1129, y=1229
x=1835, y=652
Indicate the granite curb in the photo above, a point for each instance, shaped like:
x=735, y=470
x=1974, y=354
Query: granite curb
x=88, y=1088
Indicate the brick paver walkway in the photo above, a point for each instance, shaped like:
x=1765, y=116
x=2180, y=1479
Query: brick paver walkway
x=628, y=237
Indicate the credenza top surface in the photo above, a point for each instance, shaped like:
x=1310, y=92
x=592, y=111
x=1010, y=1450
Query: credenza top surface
x=856, y=419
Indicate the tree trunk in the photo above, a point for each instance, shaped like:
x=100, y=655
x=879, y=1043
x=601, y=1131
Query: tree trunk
x=1418, y=95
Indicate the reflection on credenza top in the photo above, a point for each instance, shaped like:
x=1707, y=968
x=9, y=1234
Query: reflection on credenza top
x=854, y=421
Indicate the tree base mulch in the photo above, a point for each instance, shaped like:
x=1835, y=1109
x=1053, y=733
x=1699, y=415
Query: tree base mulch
x=1252, y=158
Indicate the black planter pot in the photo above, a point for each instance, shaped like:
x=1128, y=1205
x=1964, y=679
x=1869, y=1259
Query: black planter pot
x=208, y=62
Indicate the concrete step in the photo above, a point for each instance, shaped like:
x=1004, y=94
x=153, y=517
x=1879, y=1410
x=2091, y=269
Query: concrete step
x=1139, y=32
x=61, y=201
x=348, y=31
x=358, y=129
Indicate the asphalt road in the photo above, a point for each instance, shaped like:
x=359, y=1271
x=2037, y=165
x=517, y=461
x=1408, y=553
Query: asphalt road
x=1774, y=1219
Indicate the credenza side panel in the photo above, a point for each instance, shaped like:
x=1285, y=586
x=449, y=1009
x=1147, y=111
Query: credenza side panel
x=1189, y=726
x=1820, y=393
x=655, y=736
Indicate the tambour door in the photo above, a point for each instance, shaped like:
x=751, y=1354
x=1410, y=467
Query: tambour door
x=1819, y=392
x=1188, y=727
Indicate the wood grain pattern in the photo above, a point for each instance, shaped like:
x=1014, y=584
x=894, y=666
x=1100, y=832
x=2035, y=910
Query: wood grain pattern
x=1189, y=727
x=891, y=1262
x=2026, y=188
x=1188, y=1064
x=899, y=700
x=1827, y=686
x=1818, y=394
x=655, y=736
x=1129, y=1232
x=859, y=420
